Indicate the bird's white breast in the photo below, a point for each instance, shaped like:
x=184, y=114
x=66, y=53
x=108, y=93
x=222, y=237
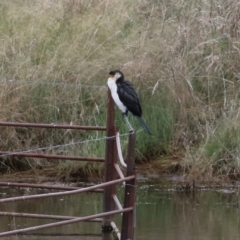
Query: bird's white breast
x=113, y=88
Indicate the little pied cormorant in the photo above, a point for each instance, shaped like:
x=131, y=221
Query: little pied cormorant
x=125, y=97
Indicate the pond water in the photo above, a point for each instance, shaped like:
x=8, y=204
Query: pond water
x=162, y=212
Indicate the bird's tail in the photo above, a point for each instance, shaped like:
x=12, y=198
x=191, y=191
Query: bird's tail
x=144, y=125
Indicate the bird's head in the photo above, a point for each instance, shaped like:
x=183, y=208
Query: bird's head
x=116, y=75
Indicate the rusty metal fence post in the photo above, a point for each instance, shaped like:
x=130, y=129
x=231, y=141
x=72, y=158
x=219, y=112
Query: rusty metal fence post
x=110, y=200
x=110, y=172
x=129, y=194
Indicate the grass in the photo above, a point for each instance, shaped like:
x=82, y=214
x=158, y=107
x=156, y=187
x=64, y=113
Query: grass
x=182, y=57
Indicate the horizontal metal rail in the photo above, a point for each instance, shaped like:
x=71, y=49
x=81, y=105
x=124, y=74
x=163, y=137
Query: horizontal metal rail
x=55, y=126
x=46, y=195
x=44, y=186
x=46, y=235
x=65, y=222
x=110, y=201
x=44, y=216
x=47, y=156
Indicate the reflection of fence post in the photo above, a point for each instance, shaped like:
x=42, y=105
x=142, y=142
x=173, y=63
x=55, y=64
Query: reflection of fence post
x=129, y=197
x=110, y=172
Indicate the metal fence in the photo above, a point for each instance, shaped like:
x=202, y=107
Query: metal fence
x=113, y=176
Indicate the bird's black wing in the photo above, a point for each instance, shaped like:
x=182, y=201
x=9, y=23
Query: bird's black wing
x=129, y=97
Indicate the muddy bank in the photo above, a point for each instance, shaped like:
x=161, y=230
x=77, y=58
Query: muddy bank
x=150, y=170
x=154, y=171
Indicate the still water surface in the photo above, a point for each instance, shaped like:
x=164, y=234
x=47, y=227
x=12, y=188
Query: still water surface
x=162, y=212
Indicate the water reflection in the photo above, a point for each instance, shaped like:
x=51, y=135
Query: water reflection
x=170, y=215
x=162, y=213
x=75, y=205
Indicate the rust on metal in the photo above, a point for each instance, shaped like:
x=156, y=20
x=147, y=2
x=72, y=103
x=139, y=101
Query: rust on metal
x=129, y=195
x=49, y=156
x=64, y=222
x=44, y=216
x=54, y=126
x=110, y=171
x=44, y=186
x=56, y=194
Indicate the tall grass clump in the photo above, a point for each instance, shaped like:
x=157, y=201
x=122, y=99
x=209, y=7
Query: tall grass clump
x=182, y=57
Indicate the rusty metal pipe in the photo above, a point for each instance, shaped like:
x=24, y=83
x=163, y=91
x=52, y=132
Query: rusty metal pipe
x=54, y=126
x=44, y=216
x=65, y=222
x=110, y=171
x=44, y=186
x=129, y=195
x=87, y=189
x=47, y=156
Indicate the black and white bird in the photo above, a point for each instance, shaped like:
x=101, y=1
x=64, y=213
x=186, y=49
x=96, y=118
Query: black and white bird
x=125, y=97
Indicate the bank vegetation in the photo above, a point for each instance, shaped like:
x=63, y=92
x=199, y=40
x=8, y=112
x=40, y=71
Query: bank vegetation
x=182, y=57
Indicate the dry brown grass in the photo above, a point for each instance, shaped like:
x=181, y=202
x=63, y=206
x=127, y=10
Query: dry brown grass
x=183, y=57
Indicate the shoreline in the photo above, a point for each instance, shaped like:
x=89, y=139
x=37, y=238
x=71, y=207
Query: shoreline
x=154, y=171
